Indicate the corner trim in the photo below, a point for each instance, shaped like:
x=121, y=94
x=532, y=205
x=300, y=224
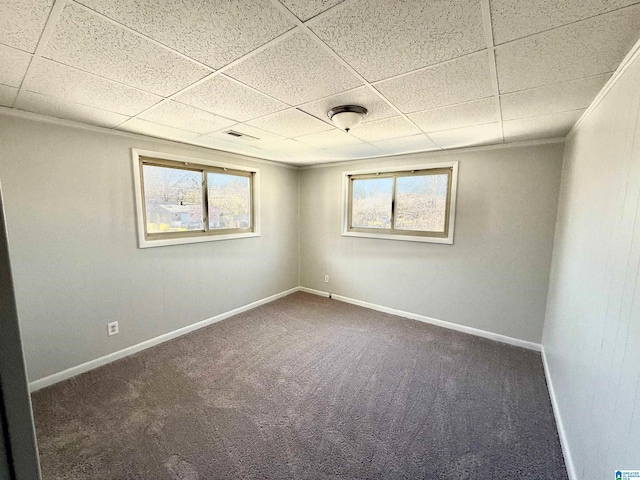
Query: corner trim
x=112, y=357
x=564, y=441
x=432, y=321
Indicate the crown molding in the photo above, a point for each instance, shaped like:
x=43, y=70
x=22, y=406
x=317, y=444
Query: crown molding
x=12, y=112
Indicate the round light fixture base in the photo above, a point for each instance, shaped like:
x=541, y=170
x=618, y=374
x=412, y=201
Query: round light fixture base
x=347, y=117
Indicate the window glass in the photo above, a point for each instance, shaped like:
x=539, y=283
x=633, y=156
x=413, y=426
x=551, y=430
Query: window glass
x=371, y=205
x=412, y=204
x=229, y=201
x=173, y=199
x=421, y=203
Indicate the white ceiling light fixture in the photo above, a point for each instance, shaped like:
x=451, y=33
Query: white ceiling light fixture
x=347, y=117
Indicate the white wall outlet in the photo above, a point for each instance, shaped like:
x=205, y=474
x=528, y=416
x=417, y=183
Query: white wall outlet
x=326, y=279
x=112, y=328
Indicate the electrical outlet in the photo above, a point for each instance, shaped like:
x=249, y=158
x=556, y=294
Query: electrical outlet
x=326, y=279
x=112, y=328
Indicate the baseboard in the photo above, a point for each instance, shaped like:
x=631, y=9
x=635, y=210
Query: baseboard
x=98, y=362
x=433, y=321
x=564, y=442
x=315, y=292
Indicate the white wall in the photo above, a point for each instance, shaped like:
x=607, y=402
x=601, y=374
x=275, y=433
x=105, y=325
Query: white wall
x=592, y=329
x=495, y=275
x=71, y=220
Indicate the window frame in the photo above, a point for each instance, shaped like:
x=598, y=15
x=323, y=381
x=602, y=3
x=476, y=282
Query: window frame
x=146, y=240
x=446, y=237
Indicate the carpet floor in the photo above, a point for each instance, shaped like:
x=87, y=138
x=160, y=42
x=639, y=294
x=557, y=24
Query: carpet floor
x=306, y=388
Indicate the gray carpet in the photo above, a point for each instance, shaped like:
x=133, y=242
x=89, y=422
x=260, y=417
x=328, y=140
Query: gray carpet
x=306, y=387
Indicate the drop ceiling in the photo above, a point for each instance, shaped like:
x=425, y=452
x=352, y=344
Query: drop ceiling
x=434, y=75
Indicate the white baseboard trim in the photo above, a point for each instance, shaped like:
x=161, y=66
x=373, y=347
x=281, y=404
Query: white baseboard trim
x=564, y=442
x=98, y=362
x=433, y=321
x=315, y=292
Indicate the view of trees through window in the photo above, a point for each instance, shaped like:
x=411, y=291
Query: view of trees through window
x=421, y=203
x=173, y=200
x=371, y=204
x=229, y=201
x=416, y=203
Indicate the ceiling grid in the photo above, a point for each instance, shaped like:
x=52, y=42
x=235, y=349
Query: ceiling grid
x=434, y=75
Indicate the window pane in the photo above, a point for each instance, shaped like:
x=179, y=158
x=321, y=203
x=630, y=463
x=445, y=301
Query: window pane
x=173, y=199
x=371, y=203
x=421, y=202
x=229, y=201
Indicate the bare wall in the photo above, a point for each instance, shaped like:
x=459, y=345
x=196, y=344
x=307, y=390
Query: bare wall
x=592, y=329
x=71, y=220
x=495, y=275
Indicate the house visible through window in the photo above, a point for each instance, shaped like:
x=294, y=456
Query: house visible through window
x=414, y=204
x=184, y=202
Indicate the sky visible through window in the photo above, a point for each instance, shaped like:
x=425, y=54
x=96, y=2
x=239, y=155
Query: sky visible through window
x=371, y=206
x=420, y=203
x=229, y=201
x=173, y=199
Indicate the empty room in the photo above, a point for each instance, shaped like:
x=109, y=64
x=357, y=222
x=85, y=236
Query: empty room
x=320, y=239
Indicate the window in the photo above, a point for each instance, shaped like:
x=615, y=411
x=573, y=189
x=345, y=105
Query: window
x=183, y=200
x=409, y=203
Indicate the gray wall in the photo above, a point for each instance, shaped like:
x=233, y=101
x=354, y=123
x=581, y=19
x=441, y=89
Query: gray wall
x=592, y=330
x=495, y=275
x=71, y=220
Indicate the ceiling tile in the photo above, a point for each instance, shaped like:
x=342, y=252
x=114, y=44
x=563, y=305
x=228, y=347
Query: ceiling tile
x=464, y=115
x=359, y=150
x=457, y=81
x=560, y=97
x=22, y=22
x=306, y=9
x=512, y=19
x=289, y=146
x=332, y=138
x=220, y=144
x=185, y=117
x=261, y=138
x=381, y=39
x=226, y=97
x=86, y=41
x=294, y=151
x=142, y=127
x=414, y=143
x=215, y=33
x=362, y=96
x=7, y=95
x=290, y=123
x=14, y=66
x=582, y=49
x=468, y=136
x=386, y=129
x=296, y=70
x=34, y=102
x=543, y=126
x=53, y=79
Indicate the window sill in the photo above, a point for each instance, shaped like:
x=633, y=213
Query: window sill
x=405, y=238
x=200, y=239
